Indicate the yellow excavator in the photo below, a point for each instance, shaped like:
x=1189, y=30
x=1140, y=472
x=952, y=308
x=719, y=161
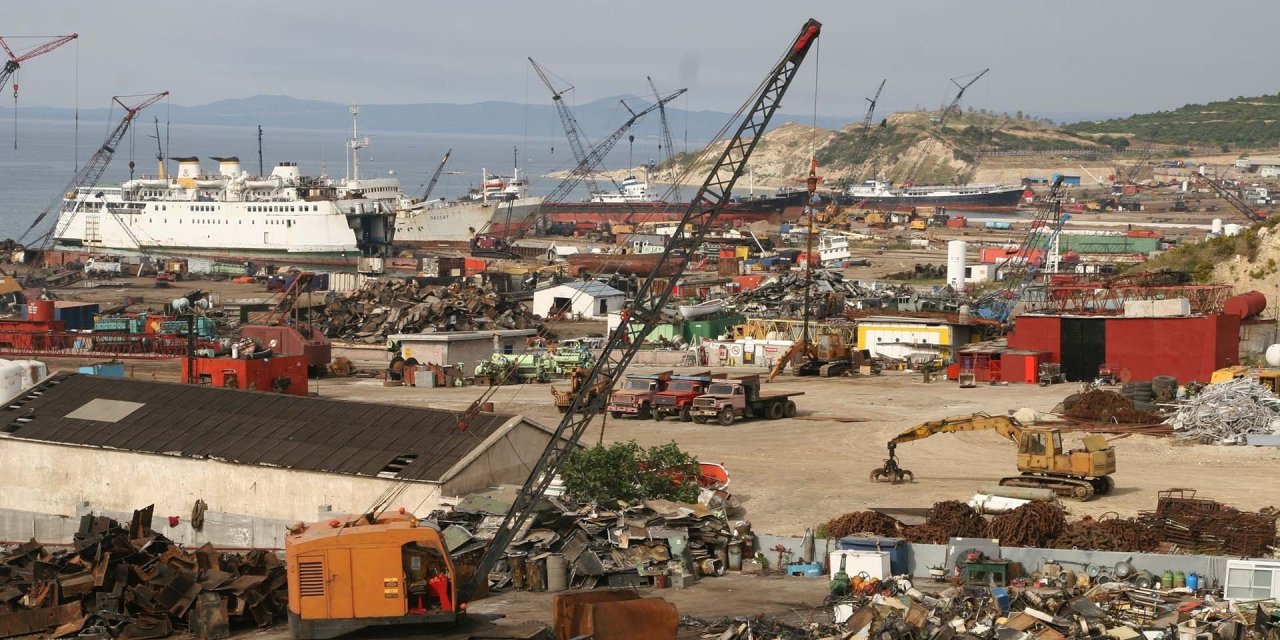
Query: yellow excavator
x=1042, y=461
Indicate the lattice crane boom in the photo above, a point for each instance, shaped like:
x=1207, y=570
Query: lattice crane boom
x=570, y=123
x=955, y=104
x=1231, y=197
x=646, y=312
x=15, y=60
x=666, y=138
x=435, y=177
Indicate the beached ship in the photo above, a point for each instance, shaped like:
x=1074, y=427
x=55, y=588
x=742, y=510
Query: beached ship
x=500, y=202
x=880, y=194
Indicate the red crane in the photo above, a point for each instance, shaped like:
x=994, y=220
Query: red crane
x=15, y=61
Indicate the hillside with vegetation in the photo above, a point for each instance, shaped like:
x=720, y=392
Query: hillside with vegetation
x=1229, y=124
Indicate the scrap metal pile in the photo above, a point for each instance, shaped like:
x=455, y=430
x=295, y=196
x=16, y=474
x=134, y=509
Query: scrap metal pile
x=1227, y=412
x=601, y=546
x=1101, y=405
x=783, y=297
x=1181, y=523
x=389, y=307
x=130, y=582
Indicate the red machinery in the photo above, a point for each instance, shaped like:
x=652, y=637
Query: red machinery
x=282, y=374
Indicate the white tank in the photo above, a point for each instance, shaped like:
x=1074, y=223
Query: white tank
x=1231, y=229
x=956, y=263
x=1273, y=355
x=35, y=371
x=1216, y=226
x=229, y=167
x=287, y=171
x=16, y=377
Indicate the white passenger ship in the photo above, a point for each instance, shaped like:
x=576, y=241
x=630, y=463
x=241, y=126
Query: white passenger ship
x=499, y=204
x=230, y=214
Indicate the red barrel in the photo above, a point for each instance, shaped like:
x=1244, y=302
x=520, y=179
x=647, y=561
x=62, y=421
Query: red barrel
x=43, y=311
x=1246, y=305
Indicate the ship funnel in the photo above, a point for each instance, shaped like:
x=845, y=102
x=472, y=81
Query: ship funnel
x=229, y=167
x=188, y=171
x=286, y=171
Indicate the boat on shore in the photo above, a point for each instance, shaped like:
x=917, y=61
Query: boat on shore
x=636, y=264
x=877, y=194
x=501, y=202
x=706, y=308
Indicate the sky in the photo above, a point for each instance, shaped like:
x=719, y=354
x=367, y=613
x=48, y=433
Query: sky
x=1091, y=56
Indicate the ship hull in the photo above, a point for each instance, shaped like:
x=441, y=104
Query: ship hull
x=772, y=209
x=994, y=201
x=456, y=224
x=637, y=264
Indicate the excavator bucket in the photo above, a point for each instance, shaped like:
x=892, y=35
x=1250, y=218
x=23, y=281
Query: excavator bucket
x=613, y=615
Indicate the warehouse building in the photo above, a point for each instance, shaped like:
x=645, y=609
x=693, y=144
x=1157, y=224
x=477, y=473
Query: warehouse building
x=911, y=339
x=578, y=299
x=257, y=462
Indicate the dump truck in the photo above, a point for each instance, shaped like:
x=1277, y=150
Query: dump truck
x=636, y=396
x=730, y=400
x=1043, y=462
x=677, y=399
x=564, y=399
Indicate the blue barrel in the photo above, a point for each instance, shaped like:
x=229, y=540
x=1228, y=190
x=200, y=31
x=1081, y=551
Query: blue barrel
x=1193, y=581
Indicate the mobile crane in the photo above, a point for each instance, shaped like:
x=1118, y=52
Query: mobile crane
x=1042, y=461
x=381, y=568
x=14, y=63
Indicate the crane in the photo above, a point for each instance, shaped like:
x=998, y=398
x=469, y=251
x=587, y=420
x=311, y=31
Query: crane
x=87, y=178
x=14, y=63
x=435, y=177
x=1238, y=203
x=567, y=120
x=666, y=139
x=584, y=169
x=869, y=138
x=1042, y=461
x=871, y=108
x=650, y=299
x=1020, y=270
x=955, y=104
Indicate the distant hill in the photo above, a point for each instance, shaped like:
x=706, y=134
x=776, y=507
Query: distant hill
x=1238, y=123
x=597, y=118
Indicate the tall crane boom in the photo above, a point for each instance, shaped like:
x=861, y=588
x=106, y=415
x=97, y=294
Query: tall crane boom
x=15, y=61
x=1238, y=203
x=567, y=120
x=1020, y=271
x=666, y=138
x=871, y=108
x=651, y=297
x=435, y=177
x=92, y=170
x=870, y=139
x=955, y=104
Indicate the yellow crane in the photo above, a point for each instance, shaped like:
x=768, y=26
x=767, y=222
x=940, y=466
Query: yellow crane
x=1043, y=463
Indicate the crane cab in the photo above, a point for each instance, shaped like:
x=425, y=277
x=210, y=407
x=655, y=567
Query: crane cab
x=355, y=571
x=1041, y=451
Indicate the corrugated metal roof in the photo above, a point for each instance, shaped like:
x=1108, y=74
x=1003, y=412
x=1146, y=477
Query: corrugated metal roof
x=593, y=288
x=247, y=427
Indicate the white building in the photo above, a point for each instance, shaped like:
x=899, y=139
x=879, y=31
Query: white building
x=594, y=300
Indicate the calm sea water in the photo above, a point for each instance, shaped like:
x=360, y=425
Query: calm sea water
x=34, y=175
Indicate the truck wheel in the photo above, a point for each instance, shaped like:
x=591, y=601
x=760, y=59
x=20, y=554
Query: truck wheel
x=562, y=409
x=789, y=411
x=684, y=415
x=645, y=412
x=659, y=416
x=726, y=416
x=775, y=410
x=699, y=420
x=615, y=414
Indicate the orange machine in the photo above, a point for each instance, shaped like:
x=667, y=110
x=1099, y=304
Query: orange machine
x=281, y=374
x=333, y=564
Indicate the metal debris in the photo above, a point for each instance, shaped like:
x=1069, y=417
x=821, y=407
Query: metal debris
x=1101, y=405
x=1199, y=525
x=872, y=522
x=130, y=582
x=388, y=307
x=1227, y=412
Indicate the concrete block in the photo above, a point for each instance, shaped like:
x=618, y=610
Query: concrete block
x=1138, y=309
x=1172, y=308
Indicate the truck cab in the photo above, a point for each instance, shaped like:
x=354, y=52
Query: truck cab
x=677, y=399
x=637, y=394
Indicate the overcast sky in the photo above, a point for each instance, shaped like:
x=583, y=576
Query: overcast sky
x=1045, y=56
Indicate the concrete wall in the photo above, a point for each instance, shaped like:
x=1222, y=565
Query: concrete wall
x=469, y=352
x=62, y=481
x=579, y=303
x=506, y=457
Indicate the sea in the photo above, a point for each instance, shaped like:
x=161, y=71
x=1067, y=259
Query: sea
x=34, y=176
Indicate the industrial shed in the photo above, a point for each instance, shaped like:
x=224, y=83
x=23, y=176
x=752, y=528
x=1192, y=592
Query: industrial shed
x=259, y=461
x=585, y=299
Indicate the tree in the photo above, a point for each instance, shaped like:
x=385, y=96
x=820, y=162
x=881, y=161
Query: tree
x=625, y=471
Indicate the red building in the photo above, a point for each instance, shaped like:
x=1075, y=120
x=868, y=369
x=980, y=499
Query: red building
x=282, y=374
x=1186, y=347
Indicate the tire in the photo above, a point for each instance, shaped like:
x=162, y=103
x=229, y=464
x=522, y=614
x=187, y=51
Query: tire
x=775, y=410
x=562, y=409
x=615, y=415
x=699, y=420
x=685, y=415
x=1141, y=405
x=789, y=411
x=659, y=416
x=726, y=417
x=645, y=412
x=1164, y=382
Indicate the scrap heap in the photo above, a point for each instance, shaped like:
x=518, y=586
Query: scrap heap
x=389, y=307
x=1204, y=526
x=1101, y=405
x=1227, y=412
x=614, y=546
x=783, y=297
x=131, y=582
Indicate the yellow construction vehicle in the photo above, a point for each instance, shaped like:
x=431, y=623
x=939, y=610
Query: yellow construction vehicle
x=1042, y=461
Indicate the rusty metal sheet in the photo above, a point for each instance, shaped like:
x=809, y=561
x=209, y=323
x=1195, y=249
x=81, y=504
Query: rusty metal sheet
x=20, y=623
x=210, y=620
x=565, y=613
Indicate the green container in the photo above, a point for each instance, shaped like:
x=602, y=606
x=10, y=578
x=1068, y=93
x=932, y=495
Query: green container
x=1166, y=580
x=1179, y=579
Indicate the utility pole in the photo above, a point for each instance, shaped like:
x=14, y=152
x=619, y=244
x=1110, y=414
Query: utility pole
x=260, y=171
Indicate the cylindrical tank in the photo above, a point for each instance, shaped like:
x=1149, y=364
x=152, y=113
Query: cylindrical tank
x=1231, y=229
x=735, y=556
x=557, y=573
x=1273, y=355
x=12, y=380
x=1246, y=305
x=956, y=263
x=1193, y=581
x=1216, y=227
x=1166, y=579
x=40, y=311
x=1179, y=579
x=1021, y=493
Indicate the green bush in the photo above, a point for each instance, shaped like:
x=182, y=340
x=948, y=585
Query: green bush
x=625, y=471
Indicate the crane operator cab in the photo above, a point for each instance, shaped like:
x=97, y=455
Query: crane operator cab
x=355, y=571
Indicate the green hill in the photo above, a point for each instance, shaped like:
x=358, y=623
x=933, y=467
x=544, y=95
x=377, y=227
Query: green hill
x=1238, y=123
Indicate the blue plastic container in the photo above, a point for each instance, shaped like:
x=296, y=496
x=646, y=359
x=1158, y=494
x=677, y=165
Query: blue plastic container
x=896, y=547
x=805, y=570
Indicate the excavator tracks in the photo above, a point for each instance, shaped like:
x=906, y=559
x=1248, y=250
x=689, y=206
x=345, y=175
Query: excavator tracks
x=1081, y=489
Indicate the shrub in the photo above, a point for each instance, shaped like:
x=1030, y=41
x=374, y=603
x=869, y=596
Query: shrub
x=625, y=471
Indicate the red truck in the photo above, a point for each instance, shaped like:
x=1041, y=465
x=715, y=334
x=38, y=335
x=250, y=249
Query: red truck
x=728, y=400
x=636, y=396
x=677, y=400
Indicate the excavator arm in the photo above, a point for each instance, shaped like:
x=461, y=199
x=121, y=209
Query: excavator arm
x=1003, y=425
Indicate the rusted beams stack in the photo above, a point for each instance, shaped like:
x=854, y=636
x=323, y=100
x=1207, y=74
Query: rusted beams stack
x=389, y=307
x=131, y=582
